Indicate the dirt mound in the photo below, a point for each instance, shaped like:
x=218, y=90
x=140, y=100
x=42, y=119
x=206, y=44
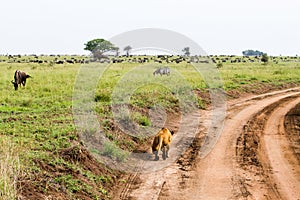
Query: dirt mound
x=292, y=129
x=257, y=88
x=60, y=178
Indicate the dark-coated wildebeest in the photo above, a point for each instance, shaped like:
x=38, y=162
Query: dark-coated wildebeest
x=162, y=71
x=20, y=78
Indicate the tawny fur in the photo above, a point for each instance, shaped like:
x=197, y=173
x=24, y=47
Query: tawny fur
x=161, y=142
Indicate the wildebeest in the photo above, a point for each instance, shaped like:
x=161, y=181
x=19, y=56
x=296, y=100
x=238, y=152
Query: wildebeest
x=162, y=71
x=161, y=142
x=20, y=78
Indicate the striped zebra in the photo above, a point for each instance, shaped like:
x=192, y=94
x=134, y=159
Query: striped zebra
x=162, y=71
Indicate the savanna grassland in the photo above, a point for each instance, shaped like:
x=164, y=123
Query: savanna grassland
x=41, y=155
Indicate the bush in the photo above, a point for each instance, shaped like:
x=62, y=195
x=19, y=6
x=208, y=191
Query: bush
x=113, y=151
x=141, y=119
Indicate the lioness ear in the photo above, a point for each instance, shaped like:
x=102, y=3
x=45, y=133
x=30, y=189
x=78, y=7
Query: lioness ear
x=172, y=132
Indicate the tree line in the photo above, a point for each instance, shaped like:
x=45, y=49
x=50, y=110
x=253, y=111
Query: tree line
x=99, y=47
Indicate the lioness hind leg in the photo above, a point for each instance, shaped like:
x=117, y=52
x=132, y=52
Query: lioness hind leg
x=156, y=155
x=167, y=151
x=164, y=153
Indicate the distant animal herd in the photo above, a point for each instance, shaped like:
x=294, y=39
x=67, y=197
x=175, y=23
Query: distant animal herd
x=84, y=59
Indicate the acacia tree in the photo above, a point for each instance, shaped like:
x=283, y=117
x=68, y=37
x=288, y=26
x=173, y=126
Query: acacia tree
x=98, y=47
x=117, y=51
x=251, y=52
x=186, y=51
x=127, y=49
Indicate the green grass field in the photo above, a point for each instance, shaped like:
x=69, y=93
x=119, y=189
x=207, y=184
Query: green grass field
x=36, y=122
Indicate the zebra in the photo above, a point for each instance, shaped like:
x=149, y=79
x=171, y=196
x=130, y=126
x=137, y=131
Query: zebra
x=162, y=71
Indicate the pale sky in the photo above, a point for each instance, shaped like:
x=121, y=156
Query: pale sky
x=218, y=26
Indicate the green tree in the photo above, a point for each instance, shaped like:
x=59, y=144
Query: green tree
x=186, y=51
x=98, y=47
x=251, y=52
x=127, y=49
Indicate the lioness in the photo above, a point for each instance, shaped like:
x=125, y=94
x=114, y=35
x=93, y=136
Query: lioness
x=162, y=141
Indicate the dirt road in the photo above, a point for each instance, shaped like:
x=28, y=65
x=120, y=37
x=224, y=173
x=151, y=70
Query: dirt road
x=253, y=158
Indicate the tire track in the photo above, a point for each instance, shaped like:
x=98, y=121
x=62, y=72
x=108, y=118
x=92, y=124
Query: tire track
x=219, y=172
x=292, y=129
x=252, y=155
x=281, y=158
x=225, y=173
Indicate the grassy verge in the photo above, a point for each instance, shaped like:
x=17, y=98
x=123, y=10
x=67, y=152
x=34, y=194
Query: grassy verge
x=41, y=155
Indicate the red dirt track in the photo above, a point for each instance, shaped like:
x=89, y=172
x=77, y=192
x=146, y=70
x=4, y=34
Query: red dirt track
x=254, y=158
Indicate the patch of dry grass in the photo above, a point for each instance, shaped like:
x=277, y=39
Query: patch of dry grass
x=10, y=169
